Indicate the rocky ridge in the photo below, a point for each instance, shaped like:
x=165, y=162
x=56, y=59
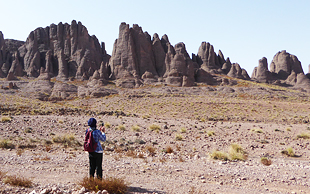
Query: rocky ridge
x=67, y=52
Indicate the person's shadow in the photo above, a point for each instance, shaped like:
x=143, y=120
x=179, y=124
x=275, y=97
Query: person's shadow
x=142, y=190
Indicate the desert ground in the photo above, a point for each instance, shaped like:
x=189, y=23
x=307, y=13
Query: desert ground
x=162, y=139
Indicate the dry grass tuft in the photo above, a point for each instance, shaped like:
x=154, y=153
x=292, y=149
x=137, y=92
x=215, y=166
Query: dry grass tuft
x=4, y=143
x=6, y=119
x=210, y=133
x=178, y=137
x=135, y=128
x=66, y=140
x=151, y=150
x=304, y=136
x=111, y=184
x=17, y=181
x=107, y=125
x=265, y=161
x=154, y=127
x=219, y=155
x=289, y=152
x=121, y=127
x=168, y=150
x=235, y=152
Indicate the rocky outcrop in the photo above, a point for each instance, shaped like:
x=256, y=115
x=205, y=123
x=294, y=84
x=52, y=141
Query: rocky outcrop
x=63, y=50
x=179, y=66
x=284, y=63
x=208, y=60
x=133, y=56
x=236, y=72
x=261, y=73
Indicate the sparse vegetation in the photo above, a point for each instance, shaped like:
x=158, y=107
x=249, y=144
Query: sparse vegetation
x=5, y=119
x=111, y=184
x=210, y=133
x=289, y=152
x=66, y=140
x=121, y=127
x=168, y=150
x=304, y=136
x=235, y=152
x=183, y=130
x=17, y=181
x=178, y=137
x=219, y=155
x=4, y=143
x=135, y=128
x=154, y=127
x=107, y=125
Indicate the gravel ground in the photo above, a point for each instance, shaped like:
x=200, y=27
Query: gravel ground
x=188, y=169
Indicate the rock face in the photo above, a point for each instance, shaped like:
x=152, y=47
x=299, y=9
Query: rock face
x=284, y=63
x=63, y=50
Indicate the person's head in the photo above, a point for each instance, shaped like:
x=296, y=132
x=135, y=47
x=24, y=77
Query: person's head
x=92, y=122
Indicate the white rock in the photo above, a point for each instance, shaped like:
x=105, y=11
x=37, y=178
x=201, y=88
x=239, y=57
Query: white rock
x=33, y=192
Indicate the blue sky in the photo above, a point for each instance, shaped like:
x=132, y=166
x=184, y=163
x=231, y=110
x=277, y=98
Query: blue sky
x=245, y=31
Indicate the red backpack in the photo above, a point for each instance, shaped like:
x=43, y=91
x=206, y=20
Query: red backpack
x=89, y=143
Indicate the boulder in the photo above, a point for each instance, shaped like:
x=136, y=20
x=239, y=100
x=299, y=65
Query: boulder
x=64, y=91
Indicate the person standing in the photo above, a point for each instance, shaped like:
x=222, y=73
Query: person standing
x=95, y=158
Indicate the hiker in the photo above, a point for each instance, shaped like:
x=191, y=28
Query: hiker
x=95, y=157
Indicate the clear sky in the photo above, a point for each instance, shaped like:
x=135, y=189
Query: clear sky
x=244, y=30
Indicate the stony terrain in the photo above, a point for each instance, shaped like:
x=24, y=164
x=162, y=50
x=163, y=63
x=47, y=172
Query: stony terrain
x=192, y=122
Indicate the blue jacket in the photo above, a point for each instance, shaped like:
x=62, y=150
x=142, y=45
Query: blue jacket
x=97, y=135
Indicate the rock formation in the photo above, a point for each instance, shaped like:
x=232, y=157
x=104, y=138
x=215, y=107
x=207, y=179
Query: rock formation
x=261, y=73
x=63, y=50
x=284, y=63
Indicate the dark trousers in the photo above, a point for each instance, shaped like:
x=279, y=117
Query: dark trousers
x=95, y=164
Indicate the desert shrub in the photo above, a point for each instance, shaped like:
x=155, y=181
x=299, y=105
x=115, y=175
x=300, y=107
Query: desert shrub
x=168, y=150
x=31, y=146
x=131, y=153
x=304, y=136
x=17, y=181
x=154, y=127
x=151, y=150
x=4, y=143
x=135, y=128
x=219, y=155
x=178, y=137
x=210, y=133
x=289, y=152
x=266, y=161
x=107, y=124
x=121, y=127
x=66, y=140
x=183, y=130
x=236, y=152
x=5, y=119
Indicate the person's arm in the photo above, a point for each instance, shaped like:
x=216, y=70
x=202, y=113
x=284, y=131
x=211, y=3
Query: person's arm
x=102, y=136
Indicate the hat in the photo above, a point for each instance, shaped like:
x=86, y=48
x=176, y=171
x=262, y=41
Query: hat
x=92, y=122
